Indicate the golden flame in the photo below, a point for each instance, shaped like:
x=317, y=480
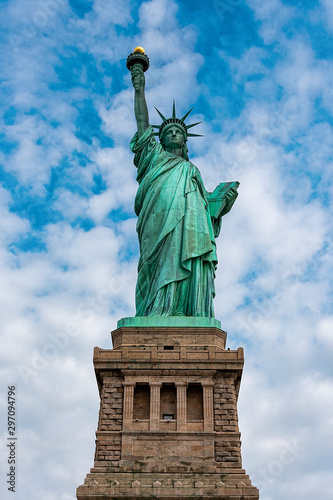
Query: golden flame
x=139, y=49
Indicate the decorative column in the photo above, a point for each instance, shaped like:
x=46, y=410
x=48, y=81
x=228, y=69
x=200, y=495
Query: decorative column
x=181, y=406
x=155, y=405
x=208, y=405
x=128, y=405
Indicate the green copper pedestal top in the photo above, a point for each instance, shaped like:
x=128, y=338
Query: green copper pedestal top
x=169, y=321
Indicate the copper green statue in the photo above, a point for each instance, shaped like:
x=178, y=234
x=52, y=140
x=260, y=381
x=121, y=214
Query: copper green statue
x=178, y=220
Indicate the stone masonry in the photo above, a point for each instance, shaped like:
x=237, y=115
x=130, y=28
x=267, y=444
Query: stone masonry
x=168, y=424
x=110, y=419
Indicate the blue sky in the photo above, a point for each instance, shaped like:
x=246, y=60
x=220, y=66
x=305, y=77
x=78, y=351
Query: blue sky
x=259, y=75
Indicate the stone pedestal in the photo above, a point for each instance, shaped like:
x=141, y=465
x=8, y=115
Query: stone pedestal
x=168, y=425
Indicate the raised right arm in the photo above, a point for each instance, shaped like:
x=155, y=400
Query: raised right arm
x=140, y=105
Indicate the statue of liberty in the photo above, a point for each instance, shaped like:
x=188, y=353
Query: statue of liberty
x=178, y=220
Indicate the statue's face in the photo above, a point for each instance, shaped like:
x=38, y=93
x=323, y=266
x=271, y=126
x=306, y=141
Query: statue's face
x=173, y=137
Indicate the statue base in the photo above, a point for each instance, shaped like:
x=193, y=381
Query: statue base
x=168, y=425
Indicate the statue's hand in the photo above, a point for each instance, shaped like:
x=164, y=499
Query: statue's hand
x=230, y=200
x=231, y=195
x=138, y=77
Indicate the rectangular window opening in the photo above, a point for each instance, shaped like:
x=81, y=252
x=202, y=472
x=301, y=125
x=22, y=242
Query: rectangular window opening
x=168, y=401
x=141, y=403
x=194, y=403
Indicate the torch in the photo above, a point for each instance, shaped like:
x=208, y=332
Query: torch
x=138, y=56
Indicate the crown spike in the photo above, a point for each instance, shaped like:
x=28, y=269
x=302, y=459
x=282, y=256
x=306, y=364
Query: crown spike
x=195, y=135
x=185, y=116
x=192, y=125
x=162, y=116
x=174, y=109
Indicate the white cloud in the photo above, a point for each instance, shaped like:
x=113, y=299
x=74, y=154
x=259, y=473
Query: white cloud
x=324, y=333
x=327, y=12
x=11, y=226
x=72, y=205
x=249, y=64
x=273, y=15
x=158, y=14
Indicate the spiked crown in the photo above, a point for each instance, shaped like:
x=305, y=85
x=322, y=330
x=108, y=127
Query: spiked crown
x=175, y=121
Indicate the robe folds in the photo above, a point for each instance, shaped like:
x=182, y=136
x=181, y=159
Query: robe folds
x=178, y=258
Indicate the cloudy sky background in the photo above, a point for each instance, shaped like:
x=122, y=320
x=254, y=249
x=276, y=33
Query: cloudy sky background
x=259, y=74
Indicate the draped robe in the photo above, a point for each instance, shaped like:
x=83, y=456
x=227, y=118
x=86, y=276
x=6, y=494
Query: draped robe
x=178, y=258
